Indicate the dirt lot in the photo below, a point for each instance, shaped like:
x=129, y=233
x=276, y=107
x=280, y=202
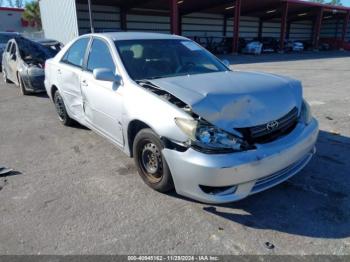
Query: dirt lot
x=74, y=193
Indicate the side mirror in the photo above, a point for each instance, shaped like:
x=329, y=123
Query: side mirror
x=226, y=63
x=105, y=74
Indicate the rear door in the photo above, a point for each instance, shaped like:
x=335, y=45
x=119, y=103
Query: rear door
x=69, y=73
x=102, y=99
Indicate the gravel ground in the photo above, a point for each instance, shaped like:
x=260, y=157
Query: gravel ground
x=74, y=193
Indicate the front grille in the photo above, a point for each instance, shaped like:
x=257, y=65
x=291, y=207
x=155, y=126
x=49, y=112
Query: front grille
x=262, y=134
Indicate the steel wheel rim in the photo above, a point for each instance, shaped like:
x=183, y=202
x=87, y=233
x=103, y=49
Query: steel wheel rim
x=151, y=163
x=60, y=107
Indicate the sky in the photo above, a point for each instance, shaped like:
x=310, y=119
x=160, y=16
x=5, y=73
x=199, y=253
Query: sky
x=345, y=2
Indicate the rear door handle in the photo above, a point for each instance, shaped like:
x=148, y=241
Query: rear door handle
x=59, y=71
x=84, y=83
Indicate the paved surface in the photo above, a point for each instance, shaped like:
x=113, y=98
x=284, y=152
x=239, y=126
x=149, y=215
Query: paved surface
x=74, y=193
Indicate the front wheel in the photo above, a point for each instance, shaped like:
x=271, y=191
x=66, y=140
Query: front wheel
x=22, y=86
x=61, y=110
x=4, y=76
x=151, y=165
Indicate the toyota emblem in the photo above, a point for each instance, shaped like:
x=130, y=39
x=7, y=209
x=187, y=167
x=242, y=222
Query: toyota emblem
x=272, y=125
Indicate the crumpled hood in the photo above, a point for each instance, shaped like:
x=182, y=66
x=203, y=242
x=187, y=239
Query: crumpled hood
x=235, y=99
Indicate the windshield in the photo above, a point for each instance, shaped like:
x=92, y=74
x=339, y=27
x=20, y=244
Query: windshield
x=150, y=59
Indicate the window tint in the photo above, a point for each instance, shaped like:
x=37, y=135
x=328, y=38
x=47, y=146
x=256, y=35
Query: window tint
x=75, y=54
x=13, y=49
x=100, y=56
x=9, y=47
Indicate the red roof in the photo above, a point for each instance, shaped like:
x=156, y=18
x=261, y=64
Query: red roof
x=12, y=9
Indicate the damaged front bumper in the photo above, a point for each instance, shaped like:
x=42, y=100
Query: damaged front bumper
x=34, y=84
x=231, y=177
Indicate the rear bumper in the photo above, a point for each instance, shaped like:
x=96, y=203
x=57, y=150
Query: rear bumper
x=247, y=172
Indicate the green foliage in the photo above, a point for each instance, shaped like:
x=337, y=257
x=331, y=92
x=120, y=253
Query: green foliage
x=32, y=13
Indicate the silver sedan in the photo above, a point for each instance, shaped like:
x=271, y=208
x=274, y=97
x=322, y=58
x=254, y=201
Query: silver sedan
x=190, y=123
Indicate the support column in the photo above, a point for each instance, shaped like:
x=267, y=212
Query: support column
x=92, y=29
x=345, y=26
x=261, y=24
x=237, y=16
x=289, y=25
x=284, y=20
x=224, y=29
x=174, y=17
x=317, y=28
x=123, y=23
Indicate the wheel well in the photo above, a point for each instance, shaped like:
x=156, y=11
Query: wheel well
x=134, y=127
x=53, y=91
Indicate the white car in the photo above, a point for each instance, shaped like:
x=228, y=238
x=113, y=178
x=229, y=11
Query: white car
x=190, y=123
x=254, y=47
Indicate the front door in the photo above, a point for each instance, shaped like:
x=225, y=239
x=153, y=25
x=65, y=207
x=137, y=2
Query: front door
x=102, y=99
x=11, y=69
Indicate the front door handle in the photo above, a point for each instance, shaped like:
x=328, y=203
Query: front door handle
x=59, y=71
x=84, y=83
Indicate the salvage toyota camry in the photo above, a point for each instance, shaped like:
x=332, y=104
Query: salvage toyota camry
x=214, y=134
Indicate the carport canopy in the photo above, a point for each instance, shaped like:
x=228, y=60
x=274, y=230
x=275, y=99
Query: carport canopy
x=285, y=11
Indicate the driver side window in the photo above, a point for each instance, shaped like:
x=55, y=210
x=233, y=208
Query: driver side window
x=100, y=56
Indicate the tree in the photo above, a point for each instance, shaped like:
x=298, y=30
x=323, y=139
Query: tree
x=32, y=13
x=335, y=2
x=16, y=3
x=19, y=3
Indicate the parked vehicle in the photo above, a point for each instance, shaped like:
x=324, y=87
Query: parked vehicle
x=254, y=47
x=189, y=122
x=24, y=62
x=269, y=44
x=294, y=46
x=4, y=38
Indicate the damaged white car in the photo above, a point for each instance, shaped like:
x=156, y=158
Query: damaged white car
x=23, y=63
x=192, y=124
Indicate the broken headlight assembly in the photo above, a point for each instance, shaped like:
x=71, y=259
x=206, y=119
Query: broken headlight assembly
x=305, y=115
x=207, y=138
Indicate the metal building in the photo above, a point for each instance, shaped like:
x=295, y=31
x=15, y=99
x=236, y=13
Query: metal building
x=283, y=19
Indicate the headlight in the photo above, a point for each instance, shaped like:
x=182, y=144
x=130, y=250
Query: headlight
x=204, y=136
x=306, y=115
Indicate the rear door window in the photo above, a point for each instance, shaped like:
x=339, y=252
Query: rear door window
x=8, y=47
x=76, y=53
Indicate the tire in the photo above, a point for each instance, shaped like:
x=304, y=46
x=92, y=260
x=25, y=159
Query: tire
x=61, y=110
x=22, y=86
x=4, y=76
x=150, y=163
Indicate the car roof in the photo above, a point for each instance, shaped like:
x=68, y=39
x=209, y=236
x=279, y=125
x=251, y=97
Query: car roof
x=115, y=36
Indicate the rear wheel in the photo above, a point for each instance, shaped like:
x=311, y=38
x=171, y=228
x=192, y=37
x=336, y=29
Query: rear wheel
x=151, y=165
x=22, y=86
x=61, y=110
